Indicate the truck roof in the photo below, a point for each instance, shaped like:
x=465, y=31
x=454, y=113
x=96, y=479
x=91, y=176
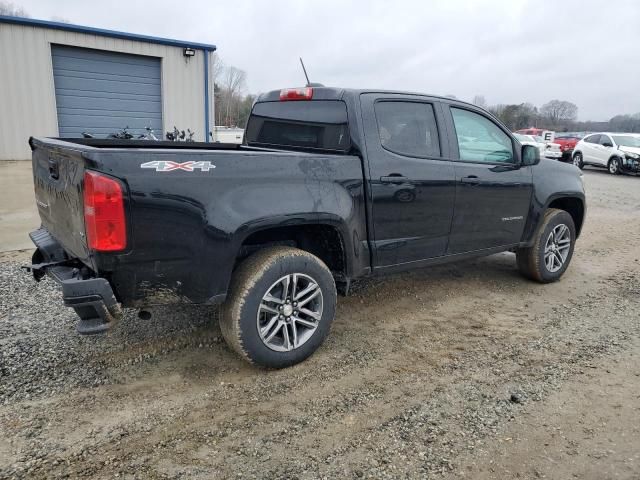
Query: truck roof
x=337, y=93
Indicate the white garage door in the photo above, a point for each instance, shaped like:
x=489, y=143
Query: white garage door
x=102, y=92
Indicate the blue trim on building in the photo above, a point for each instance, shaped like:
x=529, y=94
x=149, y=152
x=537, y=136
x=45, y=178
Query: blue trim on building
x=206, y=95
x=105, y=33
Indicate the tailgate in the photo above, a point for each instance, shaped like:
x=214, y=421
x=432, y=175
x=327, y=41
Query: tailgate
x=57, y=177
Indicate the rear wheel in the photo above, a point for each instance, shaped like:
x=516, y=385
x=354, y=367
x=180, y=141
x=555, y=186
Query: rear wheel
x=577, y=160
x=281, y=305
x=551, y=253
x=614, y=166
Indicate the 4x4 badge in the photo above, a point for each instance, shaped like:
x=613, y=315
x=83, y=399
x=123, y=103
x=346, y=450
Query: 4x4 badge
x=169, y=166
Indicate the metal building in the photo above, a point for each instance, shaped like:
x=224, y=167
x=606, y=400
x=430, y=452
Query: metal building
x=58, y=79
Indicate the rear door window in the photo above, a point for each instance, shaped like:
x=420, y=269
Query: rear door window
x=306, y=125
x=408, y=128
x=592, y=139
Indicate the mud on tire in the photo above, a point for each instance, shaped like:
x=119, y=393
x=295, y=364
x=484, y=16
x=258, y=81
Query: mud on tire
x=257, y=296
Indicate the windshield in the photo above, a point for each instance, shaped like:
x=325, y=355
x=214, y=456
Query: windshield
x=627, y=141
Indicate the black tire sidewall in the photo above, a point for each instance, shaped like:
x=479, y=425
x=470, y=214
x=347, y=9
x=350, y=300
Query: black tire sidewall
x=251, y=342
x=580, y=161
x=555, y=220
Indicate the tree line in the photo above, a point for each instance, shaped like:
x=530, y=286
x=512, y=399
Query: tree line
x=557, y=115
x=232, y=103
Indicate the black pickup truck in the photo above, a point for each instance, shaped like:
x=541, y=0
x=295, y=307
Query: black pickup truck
x=329, y=186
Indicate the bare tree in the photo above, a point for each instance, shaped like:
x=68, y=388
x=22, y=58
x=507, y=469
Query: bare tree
x=217, y=67
x=233, y=81
x=516, y=116
x=480, y=101
x=232, y=105
x=559, y=111
x=11, y=10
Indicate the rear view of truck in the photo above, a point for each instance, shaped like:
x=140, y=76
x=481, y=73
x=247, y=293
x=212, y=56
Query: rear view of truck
x=82, y=212
x=269, y=229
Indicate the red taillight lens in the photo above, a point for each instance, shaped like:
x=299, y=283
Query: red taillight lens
x=104, y=219
x=305, y=93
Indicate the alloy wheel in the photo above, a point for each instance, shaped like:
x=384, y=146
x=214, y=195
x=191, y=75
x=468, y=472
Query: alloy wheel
x=556, y=248
x=289, y=312
x=577, y=160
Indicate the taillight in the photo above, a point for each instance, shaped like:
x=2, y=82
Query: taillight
x=305, y=93
x=104, y=219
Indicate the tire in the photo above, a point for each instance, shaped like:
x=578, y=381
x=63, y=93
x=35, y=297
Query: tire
x=578, y=161
x=248, y=311
x=614, y=166
x=534, y=263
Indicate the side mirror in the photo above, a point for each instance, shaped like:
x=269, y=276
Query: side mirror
x=607, y=144
x=530, y=155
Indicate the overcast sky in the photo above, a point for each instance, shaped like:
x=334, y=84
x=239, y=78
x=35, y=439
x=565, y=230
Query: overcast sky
x=510, y=51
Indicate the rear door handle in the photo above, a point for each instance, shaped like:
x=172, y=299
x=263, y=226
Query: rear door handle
x=394, y=179
x=471, y=180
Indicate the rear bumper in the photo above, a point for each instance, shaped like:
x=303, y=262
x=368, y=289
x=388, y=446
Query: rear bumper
x=91, y=297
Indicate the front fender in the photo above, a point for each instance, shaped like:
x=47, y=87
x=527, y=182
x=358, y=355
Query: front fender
x=552, y=181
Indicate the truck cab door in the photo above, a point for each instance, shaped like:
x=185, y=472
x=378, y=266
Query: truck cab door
x=493, y=190
x=411, y=184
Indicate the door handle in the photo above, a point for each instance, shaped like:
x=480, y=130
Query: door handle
x=394, y=179
x=471, y=180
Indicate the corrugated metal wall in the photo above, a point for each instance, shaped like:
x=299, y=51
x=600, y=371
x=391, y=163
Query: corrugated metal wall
x=102, y=92
x=27, y=93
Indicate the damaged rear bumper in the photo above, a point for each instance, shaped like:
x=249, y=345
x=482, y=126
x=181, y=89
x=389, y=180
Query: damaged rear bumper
x=91, y=297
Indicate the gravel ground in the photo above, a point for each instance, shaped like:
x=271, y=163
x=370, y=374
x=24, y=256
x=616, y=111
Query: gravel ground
x=466, y=370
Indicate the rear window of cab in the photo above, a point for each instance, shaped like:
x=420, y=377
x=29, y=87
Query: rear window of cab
x=307, y=125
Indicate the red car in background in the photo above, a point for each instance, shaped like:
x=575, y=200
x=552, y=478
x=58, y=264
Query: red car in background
x=536, y=132
x=567, y=142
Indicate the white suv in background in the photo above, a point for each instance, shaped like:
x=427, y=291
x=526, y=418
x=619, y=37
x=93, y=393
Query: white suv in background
x=618, y=152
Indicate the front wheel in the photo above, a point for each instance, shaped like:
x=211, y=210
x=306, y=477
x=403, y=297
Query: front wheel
x=281, y=305
x=577, y=160
x=551, y=253
x=614, y=166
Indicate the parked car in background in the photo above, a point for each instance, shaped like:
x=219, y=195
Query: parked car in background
x=618, y=152
x=567, y=142
x=551, y=149
x=227, y=135
x=547, y=149
x=529, y=131
x=547, y=135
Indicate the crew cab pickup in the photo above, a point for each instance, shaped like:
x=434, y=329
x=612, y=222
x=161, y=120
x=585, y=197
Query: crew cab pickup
x=330, y=185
